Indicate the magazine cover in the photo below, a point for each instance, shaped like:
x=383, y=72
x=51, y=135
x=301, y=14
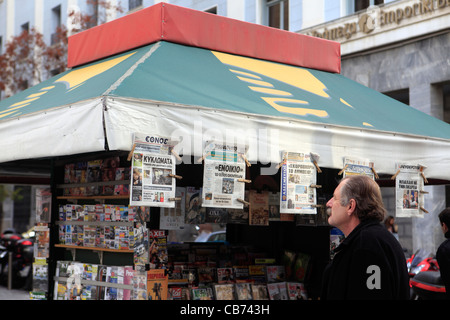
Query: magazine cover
x=259, y=291
x=42, y=240
x=195, y=213
x=202, y=293
x=157, y=284
x=43, y=205
x=243, y=291
x=273, y=291
x=141, y=245
x=275, y=273
x=225, y=275
x=173, y=218
x=224, y=291
x=296, y=291
x=259, y=208
x=139, y=284
x=40, y=276
x=257, y=273
x=217, y=215
x=282, y=288
x=158, y=249
x=128, y=280
x=206, y=275
x=241, y=273
x=89, y=292
x=274, y=206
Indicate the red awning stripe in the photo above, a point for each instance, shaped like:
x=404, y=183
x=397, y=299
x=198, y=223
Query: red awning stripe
x=180, y=25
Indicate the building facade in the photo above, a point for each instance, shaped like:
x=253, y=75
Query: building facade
x=398, y=47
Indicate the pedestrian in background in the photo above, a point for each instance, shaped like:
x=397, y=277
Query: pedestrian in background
x=391, y=226
x=443, y=252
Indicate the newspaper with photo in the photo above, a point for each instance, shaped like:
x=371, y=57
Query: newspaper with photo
x=408, y=184
x=224, y=165
x=152, y=166
x=298, y=174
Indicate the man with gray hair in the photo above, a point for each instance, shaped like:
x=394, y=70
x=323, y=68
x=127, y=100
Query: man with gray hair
x=369, y=263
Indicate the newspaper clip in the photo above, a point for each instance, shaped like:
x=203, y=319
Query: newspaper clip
x=316, y=186
x=176, y=155
x=244, y=180
x=343, y=169
x=317, y=205
x=423, y=192
x=199, y=160
x=315, y=158
x=175, y=176
x=423, y=209
x=283, y=162
x=174, y=199
x=374, y=173
x=422, y=174
x=395, y=175
x=130, y=155
x=246, y=161
x=243, y=201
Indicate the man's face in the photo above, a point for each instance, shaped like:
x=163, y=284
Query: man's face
x=337, y=214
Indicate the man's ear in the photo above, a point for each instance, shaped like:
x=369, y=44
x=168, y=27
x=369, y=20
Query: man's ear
x=351, y=206
x=444, y=225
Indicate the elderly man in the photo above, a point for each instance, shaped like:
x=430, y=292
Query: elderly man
x=369, y=263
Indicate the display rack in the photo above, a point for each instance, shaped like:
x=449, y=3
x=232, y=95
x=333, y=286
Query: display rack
x=78, y=253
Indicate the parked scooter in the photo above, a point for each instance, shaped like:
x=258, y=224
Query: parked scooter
x=421, y=261
x=428, y=285
x=425, y=277
x=22, y=260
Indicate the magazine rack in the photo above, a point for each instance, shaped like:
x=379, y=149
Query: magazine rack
x=83, y=253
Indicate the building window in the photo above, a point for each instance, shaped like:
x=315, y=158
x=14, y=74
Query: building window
x=278, y=11
x=133, y=4
x=25, y=27
x=212, y=10
x=446, y=98
x=401, y=95
x=359, y=5
x=56, y=23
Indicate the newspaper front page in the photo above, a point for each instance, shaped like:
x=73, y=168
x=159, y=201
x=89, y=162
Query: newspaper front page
x=223, y=167
x=298, y=173
x=152, y=163
x=408, y=184
x=358, y=167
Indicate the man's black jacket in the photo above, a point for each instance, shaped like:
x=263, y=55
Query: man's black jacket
x=368, y=264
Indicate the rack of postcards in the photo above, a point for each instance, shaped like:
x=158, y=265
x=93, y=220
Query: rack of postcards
x=93, y=216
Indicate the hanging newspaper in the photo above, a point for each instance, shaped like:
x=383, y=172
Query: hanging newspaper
x=152, y=166
x=358, y=167
x=298, y=174
x=408, y=186
x=224, y=166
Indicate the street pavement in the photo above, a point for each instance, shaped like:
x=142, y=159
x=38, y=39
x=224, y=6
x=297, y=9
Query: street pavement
x=13, y=294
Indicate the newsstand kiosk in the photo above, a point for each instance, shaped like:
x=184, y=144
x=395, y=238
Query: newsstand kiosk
x=171, y=122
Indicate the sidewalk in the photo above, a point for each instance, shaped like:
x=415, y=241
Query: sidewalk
x=13, y=294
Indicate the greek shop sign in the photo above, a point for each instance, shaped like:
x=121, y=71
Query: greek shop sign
x=381, y=18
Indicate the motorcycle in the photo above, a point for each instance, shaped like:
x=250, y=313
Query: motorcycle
x=421, y=261
x=22, y=260
x=425, y=277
